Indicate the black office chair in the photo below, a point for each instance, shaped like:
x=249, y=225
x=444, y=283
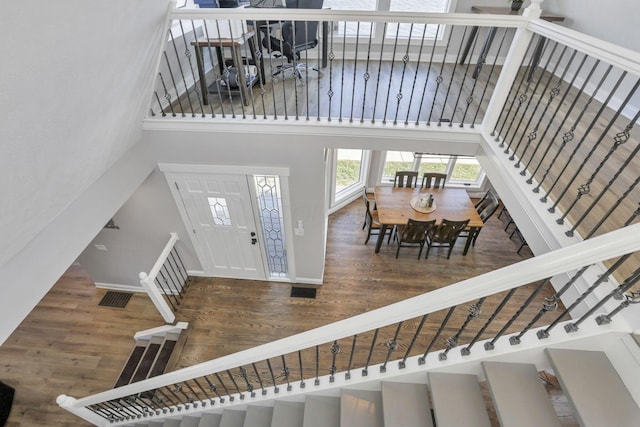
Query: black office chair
x=297, y=36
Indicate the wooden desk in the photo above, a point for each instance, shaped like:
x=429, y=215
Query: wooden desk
x=236, y=55
x=489, y=10
x=394, y=208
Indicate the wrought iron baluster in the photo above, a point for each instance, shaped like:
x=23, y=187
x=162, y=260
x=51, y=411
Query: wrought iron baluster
x=163, y=397
x=491, y=344
x=628, y=283
x=366, y=76
x=235, y=385
x=133, y=406
x=271, y=67
x=301, y=372
x=169, y=288
x=597, y=143
x=393, y=62
x=273, y=378
x=211, y=400
x=286, y=372
x=631, y=298
x=187, y=53
x=469, y=99
x=331, y=56
x=486, y=85
x=166, y=292
x=426, y=80
x=568, y=136
x=189, y=399
x=392, y=345
x=365, y=371
x=467, y=350
x=342, y=73
x=423, y=359
x=155, y=93
x=405, y=61
x=100, y=410
x=317, y=381
x=147, y=407
x=224, y=387
x=249, y=54
x=184, y=80
x=532, y=135
x=347, y=376
x=175, y=279
x=213, y=67
x=375, y=99
x=335, y=349
x=415, y=75
x=260, y=70
x=255, y=369
x=121, y=411
x=177, y=398
x=214, y=389
x=243, y=374
x=173, y=81
x=194, y=396
x=553, y=93
x=473, y=311
x=180, y=266
x=403, y=363
x=439, y=79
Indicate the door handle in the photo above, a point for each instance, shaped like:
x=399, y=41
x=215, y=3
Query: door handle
x=254, y=241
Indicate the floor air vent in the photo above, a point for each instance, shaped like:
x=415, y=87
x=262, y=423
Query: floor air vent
x=115, y=299
x=303, y=292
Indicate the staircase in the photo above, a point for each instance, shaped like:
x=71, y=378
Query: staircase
x=518, y=396
x=156, y=351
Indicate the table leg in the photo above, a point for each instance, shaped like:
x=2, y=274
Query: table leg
x=204, y=90
x=473, y=232
x=467, y=46
x=383, y=229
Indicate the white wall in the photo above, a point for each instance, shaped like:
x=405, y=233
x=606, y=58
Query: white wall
x=74, y=84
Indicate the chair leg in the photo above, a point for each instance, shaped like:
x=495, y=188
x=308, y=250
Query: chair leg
x=397, y=251
x=368, y=235
x=450, y=249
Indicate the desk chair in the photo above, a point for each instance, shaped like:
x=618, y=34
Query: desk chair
x=298, y=36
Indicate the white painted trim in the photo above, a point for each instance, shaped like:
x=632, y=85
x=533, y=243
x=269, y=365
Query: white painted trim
x=196, y=273
x=308, y=281
x=161, y=330
x=119, y=287
x=223, y=169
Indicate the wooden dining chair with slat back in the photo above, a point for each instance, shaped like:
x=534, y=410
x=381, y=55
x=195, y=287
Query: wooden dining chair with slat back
x=485, y=207
x=407, y=179
x=434, y=180
x=445, y=235
x=371, y=222
x=414, y=234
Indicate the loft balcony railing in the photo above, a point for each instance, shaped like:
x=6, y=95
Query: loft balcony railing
x=398, y=338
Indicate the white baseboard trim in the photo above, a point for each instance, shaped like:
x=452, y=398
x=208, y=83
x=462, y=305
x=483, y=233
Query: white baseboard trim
x=119, y=287
x=308, y=281
x=196, y=273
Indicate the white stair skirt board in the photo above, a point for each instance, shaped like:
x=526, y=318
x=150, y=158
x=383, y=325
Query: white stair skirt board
x=258, y=416
x=457, y=400
x=231, y=418
x=594, y=388
x=321, y=411
x=210, y=420
x=288, y=414
x=189, y=422
x=519, y=396
x=405, y=405
x=361, y=408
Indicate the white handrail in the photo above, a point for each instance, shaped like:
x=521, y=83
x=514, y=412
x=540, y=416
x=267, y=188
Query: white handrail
x=597, y=249
x=147, y=281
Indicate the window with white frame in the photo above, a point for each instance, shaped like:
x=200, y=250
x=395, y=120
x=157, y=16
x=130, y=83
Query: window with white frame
x=460, y=170
x=351, y=167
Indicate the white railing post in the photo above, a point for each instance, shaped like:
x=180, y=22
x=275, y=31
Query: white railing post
x=66, y=402
x=510, y=69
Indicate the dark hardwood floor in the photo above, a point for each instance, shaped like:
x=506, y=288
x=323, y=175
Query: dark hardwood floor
x=69, y=344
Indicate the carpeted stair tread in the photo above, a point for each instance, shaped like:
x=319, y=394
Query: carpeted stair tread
x=146, y=363
x=163, y=358
x=131, y=365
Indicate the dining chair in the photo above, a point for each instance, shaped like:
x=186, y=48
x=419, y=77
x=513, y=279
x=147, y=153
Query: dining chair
x=414, y=234
x=445, y=235
x=485, y=207
x=367, y=203
x=371, y=221
x=407, y=179
x=433, y=180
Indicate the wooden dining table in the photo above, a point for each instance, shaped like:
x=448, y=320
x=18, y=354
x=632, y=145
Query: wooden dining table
x=394, y=208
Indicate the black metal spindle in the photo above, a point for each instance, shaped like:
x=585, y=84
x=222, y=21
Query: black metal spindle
x=180, y=266
x=331, y=56
x=155, y=93
x=248, y=53
x=571, y=134
x=552, y=94
x=439, y=78
x=173, y=275
x=627, y=284
x=245, y=377
x=366, y=76
x=392, y=345
x=473, y=312
x=347, y=376
x=319, y=60
x=166, y=292
x=317, y=381
x=180, y=405
x=490, y=345
x=375, y=99
x=101, y=411
x=506, y=112
x=188, y=399
x=392, y=67
x=173, y=81
x=121, y=410
x=214, y=389
x=355, y=70
x=467, y=350
x=224, y=387
x=403, y=363
x=486, y=84
x=184, y=79
x=469, y=99
x=169, y=288
x=164, y=398
x=365, y=371
x=213, y=67
x=211, y=400
x=594, y=146
x=633, y=298
x=342, y=73
x=259, y=378
x=415, y=75
x=334, y=349
x=201, y=64
x=302, y=385
x=531, y=136
x=133, y=405
x=148, y=407
x=273, y=378
x=187, y=53
x=235, y=385
x=426, y=80
x=423, y=359
x=405, y=61
x=286, y=372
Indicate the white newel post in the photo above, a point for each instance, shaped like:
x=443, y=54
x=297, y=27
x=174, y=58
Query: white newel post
x=66, y=402
x=511, y=67
x=156, y=297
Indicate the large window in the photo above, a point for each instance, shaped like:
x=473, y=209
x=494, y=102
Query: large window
x=350, y=170
x=460, y=170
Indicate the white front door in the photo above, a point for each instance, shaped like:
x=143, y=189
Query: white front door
x=220, y=211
